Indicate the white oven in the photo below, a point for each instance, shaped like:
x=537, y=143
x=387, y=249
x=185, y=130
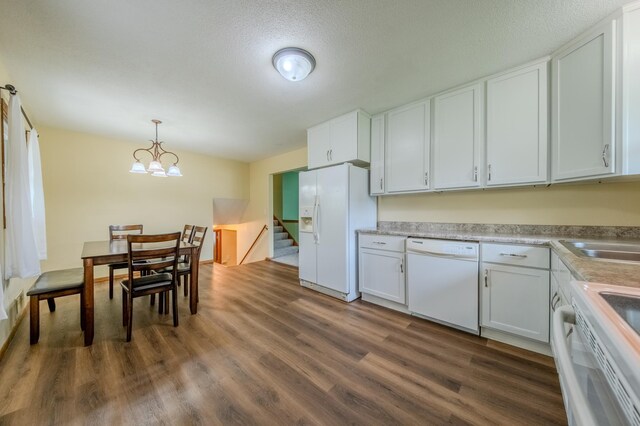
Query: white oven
x=597, y=387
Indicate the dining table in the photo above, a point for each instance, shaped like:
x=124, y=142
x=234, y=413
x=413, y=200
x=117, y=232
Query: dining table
x=95, y=253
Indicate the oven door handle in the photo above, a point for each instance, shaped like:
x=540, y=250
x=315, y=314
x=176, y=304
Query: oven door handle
x=579, y=404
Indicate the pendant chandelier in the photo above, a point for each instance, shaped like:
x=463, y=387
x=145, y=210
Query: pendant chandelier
x=155, y=166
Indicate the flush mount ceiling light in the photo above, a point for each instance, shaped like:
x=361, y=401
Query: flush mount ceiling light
x=293, y=63
x=155, y=166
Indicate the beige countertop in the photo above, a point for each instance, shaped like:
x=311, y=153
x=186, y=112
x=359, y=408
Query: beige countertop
x=583, y=268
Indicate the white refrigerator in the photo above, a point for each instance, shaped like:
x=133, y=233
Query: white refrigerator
x=334, y=202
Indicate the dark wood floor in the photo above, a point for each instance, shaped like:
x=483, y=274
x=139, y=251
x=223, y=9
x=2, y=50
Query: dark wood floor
x=263, y=350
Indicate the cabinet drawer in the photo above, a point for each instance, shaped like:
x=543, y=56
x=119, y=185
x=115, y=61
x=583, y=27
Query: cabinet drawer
x=511, y=254
x=382, y=242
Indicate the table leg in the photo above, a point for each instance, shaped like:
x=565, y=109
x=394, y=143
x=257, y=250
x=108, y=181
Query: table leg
x=87, y=302
x=193, y=285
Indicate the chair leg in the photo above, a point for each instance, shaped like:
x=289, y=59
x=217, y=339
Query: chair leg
x=110, y=283
x=52, y=304
x=129, y=318
x=82, y=315
x=174, y=299
x=186, y=285
x=166, y=302
x=125, y=310
x=152, y=300
x=34, y=320
x=160, y=302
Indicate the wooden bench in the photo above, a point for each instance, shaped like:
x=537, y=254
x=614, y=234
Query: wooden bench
x=47, y=287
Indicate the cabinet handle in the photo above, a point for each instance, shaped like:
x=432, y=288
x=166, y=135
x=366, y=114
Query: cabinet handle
x=426, y=178
x=380, y=183
x=331, y=154
x=327, y=155
x=382, y=243
x=553, y=301
x=475, y=173
x=605, y=154
x=521, y=256
x=401, y=268
x=486, y=278
x=489, y=171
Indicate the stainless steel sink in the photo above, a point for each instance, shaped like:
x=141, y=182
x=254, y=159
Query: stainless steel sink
x=623, y=252
x=627, y=306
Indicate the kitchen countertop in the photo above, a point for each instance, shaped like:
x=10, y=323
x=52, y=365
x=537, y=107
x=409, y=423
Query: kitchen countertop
x=585, y=269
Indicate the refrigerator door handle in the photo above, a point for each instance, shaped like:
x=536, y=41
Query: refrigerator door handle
x=316, y=225
x=314, y=220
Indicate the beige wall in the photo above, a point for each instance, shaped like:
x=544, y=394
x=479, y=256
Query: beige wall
x=258, y=212
x=88, y=186
x=568, y=204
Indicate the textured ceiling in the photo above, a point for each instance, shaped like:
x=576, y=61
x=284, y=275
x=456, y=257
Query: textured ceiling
x=204, y=67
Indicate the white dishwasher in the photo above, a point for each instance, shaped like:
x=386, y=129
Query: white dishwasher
x=442, y=281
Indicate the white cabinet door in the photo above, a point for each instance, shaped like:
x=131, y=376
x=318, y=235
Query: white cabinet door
x=332, y=228
x=457, y=129
x=382, y=274
x=344, y=139
x=340, y=140
x=407, y=148
x=376, y=174
x=517, y=127
x=516, y=300
x=583, y=136
x=318, y=143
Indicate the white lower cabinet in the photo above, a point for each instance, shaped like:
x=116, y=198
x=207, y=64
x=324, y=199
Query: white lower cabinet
x=382, y=274
x=516, y=300
x=382, y=267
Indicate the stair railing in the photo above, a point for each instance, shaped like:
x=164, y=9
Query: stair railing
x=264, y=228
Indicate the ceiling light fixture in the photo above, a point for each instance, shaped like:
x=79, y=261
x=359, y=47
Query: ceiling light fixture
x=293, y=63
x=155, y=166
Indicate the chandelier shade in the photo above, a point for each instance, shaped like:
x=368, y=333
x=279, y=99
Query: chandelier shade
x=155, y=165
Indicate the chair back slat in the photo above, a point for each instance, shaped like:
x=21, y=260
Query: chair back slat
x=187, y=236
x=153, y=252
x=199, y=232
x=120, y=232
x=187, y=233
x=197, y=239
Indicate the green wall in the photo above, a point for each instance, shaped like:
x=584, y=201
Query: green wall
x=290, y=196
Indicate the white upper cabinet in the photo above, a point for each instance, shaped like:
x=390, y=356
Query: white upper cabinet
x=407, y=148
x=630, y=123
x=457, y=138
x=376, y=173
x=583, y=106
x=517, y=131
x=343, y=139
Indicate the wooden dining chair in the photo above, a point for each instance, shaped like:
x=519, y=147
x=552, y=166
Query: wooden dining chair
x=187, y=236
x=120, y=232
x=156, y=258
x=184, y=267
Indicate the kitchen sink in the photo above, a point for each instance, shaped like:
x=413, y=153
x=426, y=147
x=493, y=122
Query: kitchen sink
x=627, y=306
x=623, y=252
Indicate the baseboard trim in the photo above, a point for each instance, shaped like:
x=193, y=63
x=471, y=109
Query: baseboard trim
x=13, y=332
x=517, y=341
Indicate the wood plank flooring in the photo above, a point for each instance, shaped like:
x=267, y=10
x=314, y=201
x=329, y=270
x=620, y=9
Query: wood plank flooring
x=263, y=350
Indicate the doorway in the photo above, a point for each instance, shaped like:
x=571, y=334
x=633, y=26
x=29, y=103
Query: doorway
x=285, y=218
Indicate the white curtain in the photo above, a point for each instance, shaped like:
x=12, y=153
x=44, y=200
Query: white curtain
x=21, y=254
x=37, y=194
